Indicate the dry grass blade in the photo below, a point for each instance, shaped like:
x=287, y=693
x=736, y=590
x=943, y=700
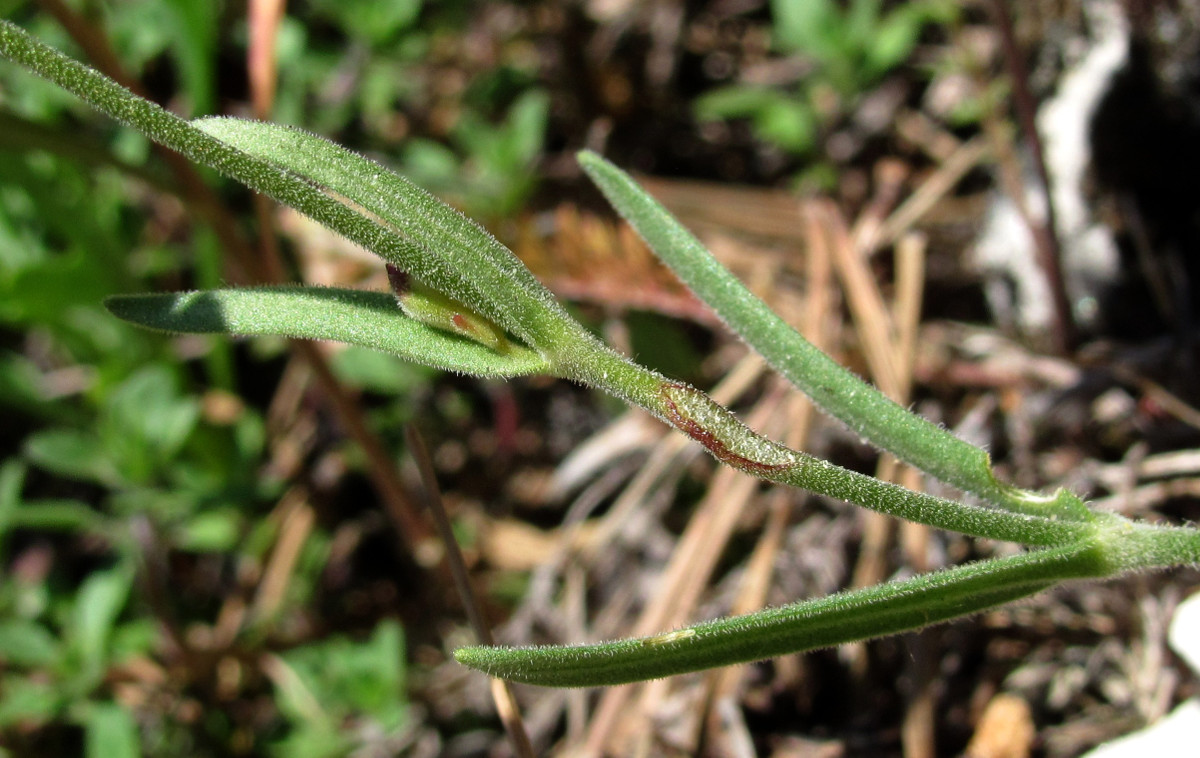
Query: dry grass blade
x=754, y=212
x=296, y=522
x=1170, y=402
x=822, y=321
x=264, y=18
x=871, y=317
x=906, y=305
x=1174, y=463
x=592, y=259
x=1148, y=496
x=932, y=191
x=680, y=587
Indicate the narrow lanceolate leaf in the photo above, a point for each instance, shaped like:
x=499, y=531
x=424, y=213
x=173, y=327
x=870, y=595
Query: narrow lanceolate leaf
x=839, y=392
x=473, y=267
x=368, y=319
x=862, y=614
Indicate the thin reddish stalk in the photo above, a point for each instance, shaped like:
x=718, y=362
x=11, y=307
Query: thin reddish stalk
x=506, y=704
x=1049, y=249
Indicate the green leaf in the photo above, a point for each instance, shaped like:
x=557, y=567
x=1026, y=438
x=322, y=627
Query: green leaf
x=367, y=319
x=526, y=127
x=57, y=515
x=12, y=479
x=314, y=739
x=781, y=118
x=73, y=454
x=194, y=26
x=864, y=409
x=809, y=26
x=27, y=701
x=790, y=124
x=735, y=102
x=893, y=41
x=137, y=637
x=146, y=421
x=97, y=606
x=323, y=686
x=349, y=677
x=110, y=732
x=431, y=164
x=27, y=643
x=21, y=386
x=861, y=20
x=445, y=250
x=212, y=532
x=378, y=23
x=861, y=614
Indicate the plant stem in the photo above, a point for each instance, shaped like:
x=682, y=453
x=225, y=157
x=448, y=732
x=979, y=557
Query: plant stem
x=733, y=443
x=1136, y=547
x=1045, y=232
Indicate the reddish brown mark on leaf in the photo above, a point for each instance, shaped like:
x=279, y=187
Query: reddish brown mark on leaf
x=398, y=280
x=716, y=446
x=461, y=323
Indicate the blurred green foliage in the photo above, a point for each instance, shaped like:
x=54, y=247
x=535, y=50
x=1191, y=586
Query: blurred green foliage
x=342, y=695
x=846, y=47
x=116, y=460
x=481, y=154
x=497, y=174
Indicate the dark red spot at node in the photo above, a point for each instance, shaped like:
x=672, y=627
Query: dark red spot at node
x=398, y=280
x=715, y=445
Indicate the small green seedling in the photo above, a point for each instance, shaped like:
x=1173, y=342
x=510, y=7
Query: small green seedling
x=515, y=327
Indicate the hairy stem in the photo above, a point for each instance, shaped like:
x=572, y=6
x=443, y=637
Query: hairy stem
x=733, y=443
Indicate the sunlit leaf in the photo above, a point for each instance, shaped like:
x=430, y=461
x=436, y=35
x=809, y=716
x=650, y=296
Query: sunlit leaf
x=368, y=319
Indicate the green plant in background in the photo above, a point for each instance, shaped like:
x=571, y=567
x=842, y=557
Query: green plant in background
x=478, y=278
x=73, y=642
x=339, y=696
x=484, y=163
x=850, y=47
x=497, y=172
x=96, y=413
